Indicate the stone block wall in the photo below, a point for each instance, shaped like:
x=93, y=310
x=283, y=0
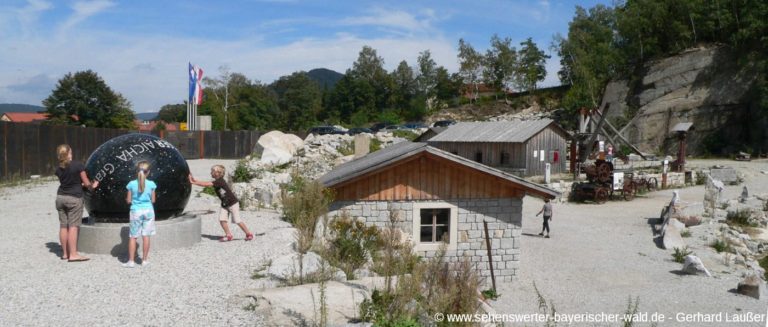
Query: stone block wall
x=504, y=217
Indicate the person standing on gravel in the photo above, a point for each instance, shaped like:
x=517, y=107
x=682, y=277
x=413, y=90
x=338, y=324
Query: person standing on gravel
x=69, y=201
x=141, y=195
x=230, y=206
x=547, y=211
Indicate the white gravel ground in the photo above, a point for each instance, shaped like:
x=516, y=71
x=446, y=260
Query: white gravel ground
x=183, y=287
x=600, y=255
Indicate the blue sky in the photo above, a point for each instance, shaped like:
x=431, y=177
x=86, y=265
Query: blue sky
x=141, y=48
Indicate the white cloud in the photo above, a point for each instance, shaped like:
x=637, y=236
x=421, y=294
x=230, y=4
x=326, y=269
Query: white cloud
x=394, y=19
x=152, y=71
x=82, y=11
x=28, y=15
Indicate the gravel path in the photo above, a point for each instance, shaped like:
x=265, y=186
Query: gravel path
x=190, y=286
x=600, y=255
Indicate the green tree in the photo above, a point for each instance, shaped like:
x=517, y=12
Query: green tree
x=447, y=88
x=299, y=100
x=500, y=63
x=427, y=78
x=588, y=57
x=173, y=113
x=470, y=66
x=404, y=88
x=86, y=96
x=369, y=76
x=531, y=68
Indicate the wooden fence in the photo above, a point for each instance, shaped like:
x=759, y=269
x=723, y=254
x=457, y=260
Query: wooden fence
x=30, y=149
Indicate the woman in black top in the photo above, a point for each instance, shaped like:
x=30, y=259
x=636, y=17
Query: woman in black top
x=69, y=201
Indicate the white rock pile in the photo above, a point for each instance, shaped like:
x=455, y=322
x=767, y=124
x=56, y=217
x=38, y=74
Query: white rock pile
x=278, y=155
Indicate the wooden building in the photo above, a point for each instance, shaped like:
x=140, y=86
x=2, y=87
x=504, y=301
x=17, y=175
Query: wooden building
x=438, y=196
x=522, y=148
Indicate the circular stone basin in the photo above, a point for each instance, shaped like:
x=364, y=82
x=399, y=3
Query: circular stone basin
x=113, y=164
x=112, y=238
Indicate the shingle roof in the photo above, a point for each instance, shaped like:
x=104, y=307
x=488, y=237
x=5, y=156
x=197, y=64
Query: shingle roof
x=500, y=131
x=383, y=158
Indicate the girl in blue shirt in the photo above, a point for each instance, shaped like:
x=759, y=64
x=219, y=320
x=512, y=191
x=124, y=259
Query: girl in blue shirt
x=141, y=196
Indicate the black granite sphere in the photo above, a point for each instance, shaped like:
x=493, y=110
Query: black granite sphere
x=113, y=164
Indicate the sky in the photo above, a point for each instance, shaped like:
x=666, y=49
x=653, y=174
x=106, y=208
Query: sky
x=141, y=48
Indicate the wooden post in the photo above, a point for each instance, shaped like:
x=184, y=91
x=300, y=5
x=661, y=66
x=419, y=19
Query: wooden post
x=202, y=145
x=490, y=258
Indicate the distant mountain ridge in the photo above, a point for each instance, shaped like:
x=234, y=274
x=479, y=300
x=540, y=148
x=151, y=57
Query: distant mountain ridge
x=146, y=116
x=18, y=107
x=325, y=77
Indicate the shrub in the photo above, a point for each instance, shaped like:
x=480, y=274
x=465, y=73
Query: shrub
x=720, y=245
x=685, y=233
x=433, y=286
x=701, y=178
x=408, y=135
x=396, y=255
x=346, y=148
x=303, y=206
x=740, y=217
x=352, y=244
x=630, y=314
x=680, y=254
x=374, y=146
x=764, y=263
x=243, y=173
x=490, y=294
x=208, y=190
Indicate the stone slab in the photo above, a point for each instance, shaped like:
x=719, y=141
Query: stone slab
x=725, y=175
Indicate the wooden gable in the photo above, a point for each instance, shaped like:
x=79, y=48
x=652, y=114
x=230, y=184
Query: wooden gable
x=426, y=176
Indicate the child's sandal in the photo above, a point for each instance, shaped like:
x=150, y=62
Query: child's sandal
x=226, y=238
x=248, y=237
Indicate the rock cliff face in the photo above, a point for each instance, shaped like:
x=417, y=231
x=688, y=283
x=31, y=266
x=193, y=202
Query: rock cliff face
x=705, y=86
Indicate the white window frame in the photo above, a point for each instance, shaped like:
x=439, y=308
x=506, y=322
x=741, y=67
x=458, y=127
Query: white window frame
x=452, y=229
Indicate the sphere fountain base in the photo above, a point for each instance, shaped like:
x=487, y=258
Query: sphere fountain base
x=112, y=238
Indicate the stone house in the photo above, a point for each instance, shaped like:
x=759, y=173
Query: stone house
x=438, y=196
x=523, y=148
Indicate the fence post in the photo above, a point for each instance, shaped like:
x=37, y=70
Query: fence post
x=202, y=145
x=5, y=150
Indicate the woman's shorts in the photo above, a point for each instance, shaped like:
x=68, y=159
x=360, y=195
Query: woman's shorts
x=233, y=210
x=142, y=222
x=70, y=210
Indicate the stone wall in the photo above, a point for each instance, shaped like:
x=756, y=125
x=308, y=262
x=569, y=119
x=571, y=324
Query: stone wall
x=504, y=217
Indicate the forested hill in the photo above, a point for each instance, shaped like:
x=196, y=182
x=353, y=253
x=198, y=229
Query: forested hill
x=325, y=77
x=17, y=107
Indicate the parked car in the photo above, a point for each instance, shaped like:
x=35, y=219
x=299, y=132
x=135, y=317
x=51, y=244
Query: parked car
x=379, y=126
x=358, y=130
x=443, y=123
x=414, y=125
x=324, y=130
x=392, y=128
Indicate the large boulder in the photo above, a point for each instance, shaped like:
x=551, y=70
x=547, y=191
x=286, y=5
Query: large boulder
x=694, y=266
x=672, y=238
x=287, y=266
x=277, y=148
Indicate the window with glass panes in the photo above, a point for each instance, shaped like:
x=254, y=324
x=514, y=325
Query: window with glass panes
x=435, y=225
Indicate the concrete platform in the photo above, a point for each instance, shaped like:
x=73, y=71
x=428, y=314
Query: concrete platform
x=112, y=238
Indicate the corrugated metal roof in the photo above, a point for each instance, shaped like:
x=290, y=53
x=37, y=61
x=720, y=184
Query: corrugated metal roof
x=403, y=150
x=499, y=131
